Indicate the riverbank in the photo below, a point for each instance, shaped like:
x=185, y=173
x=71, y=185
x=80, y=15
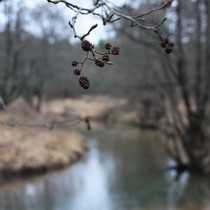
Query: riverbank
x=26, y=151
x=27, y=147
x=35, y=142
x=100, y=108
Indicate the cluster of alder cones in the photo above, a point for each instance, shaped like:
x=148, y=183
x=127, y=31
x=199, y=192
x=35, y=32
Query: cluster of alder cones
x=102, y=59
x=167, y=45
x=99, y=59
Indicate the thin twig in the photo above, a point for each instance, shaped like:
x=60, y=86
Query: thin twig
x=163, y=6
x=72, y=25
x=88, y=33
x=135, y=20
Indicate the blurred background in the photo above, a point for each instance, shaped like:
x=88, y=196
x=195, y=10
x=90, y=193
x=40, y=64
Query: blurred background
x=44, y=113
x=37, y=48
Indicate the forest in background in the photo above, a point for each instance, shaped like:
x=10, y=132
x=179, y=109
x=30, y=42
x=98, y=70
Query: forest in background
x=40, y=66
x=166, y=79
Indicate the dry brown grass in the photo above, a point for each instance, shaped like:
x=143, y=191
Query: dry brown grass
x=93, y=106
x=27, y=150
x=105, y=108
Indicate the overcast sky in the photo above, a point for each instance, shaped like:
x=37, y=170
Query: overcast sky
x=84, y=22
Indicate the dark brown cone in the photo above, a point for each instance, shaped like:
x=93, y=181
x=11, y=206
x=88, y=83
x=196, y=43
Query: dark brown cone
x=108, y=46
x=87, y=46
x=171, y=44
x=168, y=49
x=84, y=82
x=99, y=63
x=77, y=72
x=74, y=63
x=166, y=40
x=105, y=58
x=115, y=50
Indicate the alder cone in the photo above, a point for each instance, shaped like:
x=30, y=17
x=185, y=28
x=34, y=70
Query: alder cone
x=171, y=44
x=108, y=46
x=74, y=63
x=105, y=58
x=87, y=46
x=77, y=72
x=115, y=50
x=168, y=49
x=99, y=63
x=84, y=82
x=166, y=40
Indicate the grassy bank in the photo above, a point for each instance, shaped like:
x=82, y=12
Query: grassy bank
x=30, y=150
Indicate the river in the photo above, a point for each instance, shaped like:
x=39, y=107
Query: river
x=122, y=170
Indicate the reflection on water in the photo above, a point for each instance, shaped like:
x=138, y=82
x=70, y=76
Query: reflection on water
x=93, y=183
x=176, y=189
x=120, y=172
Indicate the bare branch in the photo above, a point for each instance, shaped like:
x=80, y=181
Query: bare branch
x=113, y=11
x=72, y=25
x=88, y=33
x=163, y=6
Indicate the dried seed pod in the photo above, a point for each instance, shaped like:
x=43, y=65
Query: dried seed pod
x=84, y=82
x=105, y=58
x=108, y=46
x=115, y=50
x=168, y=49
x=87, y=46
x=77, y=72
x=99, y=63
x=74, y=63
x=166, y=40
x=171, y=44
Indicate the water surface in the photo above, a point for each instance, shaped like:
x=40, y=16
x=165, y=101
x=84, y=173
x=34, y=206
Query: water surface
x=124, y=171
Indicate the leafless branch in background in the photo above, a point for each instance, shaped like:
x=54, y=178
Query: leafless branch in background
x=109, y=13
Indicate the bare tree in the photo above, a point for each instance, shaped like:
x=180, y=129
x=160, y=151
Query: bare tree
x=10, y=75
x=193, y=84
x=50, y=25
x=184, y=80
x=186, y=71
